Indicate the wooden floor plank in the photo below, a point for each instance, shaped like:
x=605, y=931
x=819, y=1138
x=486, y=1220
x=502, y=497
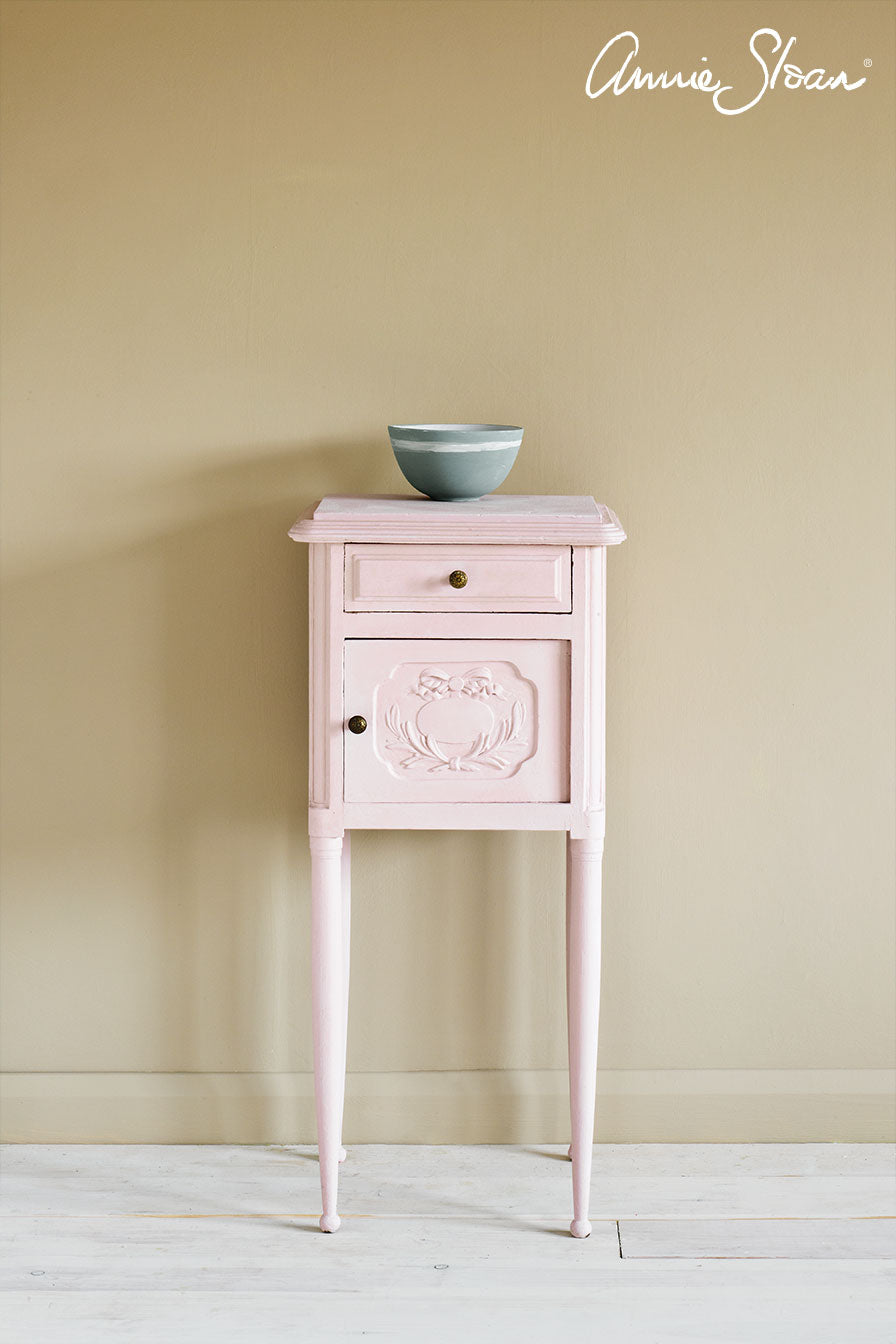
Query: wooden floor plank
x=763, y=1239
x=279, y=1254
x=425, y=1182
x=634, y=1199
x=807, y=1304
x=619, y=1159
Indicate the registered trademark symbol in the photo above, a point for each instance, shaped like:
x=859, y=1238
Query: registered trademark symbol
x=867, y=61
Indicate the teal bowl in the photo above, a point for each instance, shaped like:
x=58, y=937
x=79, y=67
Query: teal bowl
x=455, y=462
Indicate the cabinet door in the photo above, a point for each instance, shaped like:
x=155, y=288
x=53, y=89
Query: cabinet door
x=448, y=720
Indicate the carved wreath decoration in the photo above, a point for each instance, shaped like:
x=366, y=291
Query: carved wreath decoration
x=488, y=748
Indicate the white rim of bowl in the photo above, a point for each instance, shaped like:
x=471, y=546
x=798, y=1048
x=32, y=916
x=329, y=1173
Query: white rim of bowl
x=408, y=446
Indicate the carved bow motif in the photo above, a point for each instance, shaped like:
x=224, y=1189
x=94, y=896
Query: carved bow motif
x=433, y=684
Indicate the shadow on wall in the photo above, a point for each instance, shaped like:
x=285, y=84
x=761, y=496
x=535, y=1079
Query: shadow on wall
x=155, y=836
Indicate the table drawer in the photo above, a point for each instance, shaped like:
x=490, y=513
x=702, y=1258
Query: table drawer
x=490, y=578
x=457, y=720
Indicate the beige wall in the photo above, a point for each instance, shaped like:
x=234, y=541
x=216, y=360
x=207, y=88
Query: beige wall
x=238, y=239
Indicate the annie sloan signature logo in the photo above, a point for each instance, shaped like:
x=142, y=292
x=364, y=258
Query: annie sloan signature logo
x=613, y=70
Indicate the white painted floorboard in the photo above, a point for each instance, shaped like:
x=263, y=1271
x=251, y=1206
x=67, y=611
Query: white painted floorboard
x=714, y=1243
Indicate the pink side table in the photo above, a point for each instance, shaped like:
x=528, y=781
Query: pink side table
x=456, y=682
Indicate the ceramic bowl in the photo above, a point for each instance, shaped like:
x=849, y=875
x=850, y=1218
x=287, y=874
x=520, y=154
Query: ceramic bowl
x=455, y=462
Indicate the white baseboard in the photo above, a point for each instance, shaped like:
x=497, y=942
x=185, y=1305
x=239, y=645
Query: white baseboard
x=500, y=1106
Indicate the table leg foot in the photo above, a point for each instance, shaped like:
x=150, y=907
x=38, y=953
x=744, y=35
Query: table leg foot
x=579, y=1227
x=330, y=1222
x=342, y=1155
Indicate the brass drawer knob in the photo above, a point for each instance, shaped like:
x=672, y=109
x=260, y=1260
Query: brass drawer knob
x=457, y=578
x=357, y=724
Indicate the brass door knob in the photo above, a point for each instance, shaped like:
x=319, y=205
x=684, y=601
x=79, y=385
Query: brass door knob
x=457, y=578
x=357, y=724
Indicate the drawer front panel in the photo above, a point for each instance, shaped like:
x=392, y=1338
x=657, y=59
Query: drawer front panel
x=498, y=578
x=472, y=721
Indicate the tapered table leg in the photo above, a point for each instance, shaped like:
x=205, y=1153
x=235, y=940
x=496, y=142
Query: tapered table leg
x=346, y=966
x=328, y=1011
x=568, y=890
x=583, y=871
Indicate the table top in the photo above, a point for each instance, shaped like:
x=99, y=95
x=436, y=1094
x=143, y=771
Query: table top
x=571, y=520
